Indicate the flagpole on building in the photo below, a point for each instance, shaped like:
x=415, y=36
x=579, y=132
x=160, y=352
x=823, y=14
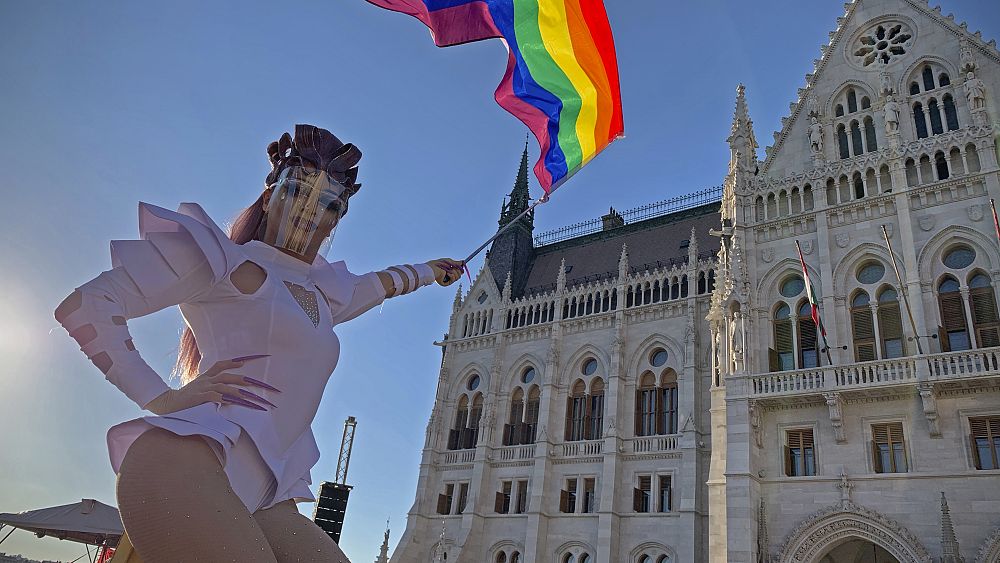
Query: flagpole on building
x=813, y=303
x=903, y=291
x=996, y=222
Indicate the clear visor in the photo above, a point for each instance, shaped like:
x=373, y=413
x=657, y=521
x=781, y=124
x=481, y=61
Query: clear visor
x=303, y=211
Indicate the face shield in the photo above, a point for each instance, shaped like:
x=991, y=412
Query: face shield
x=303, y=211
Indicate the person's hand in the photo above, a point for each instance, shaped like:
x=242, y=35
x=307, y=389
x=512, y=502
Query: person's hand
x=446, y=270
x=215, y=385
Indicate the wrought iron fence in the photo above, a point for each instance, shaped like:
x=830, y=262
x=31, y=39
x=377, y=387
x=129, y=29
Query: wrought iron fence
x=641, y=213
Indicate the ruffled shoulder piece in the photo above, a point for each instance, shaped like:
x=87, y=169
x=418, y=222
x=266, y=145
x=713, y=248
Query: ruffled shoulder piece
x=181, y=239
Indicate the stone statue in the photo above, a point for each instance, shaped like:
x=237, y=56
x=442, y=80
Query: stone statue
x=816, y=136
x=891, y=116
x=975, y=91
x=968, y=63
x=812, y=104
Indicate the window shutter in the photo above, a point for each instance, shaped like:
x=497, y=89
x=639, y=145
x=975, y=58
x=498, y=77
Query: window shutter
x=863, y=328
x=978, y=463
x=507, y=430
x=952, y=311
x=876, y=459
x=789, y=470
x=636, y=500
x=498, y=503
x=569, y=418
x=773, y=360
x=783, y=335
x=638, y=412
x=442, y=505
x=890, y=322
x=659, y=410
x=984, y=305
x=943, y=339
x=587, y=416
x=453, y=439
x=807, y=334
x=563, y=501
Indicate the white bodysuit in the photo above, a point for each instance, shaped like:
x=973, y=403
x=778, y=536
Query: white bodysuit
x=266, y=454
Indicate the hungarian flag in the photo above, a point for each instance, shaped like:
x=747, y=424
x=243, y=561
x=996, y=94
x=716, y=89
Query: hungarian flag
x=996, y=222
x=813, y=302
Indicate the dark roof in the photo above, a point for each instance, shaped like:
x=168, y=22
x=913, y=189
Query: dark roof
x=595, y=256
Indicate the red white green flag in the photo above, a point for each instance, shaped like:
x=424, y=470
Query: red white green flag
x=996, y=222
x=813, y=302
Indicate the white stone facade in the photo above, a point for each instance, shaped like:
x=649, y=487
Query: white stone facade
x=730, y=496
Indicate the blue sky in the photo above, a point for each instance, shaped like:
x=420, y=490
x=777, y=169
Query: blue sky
x=106, y=104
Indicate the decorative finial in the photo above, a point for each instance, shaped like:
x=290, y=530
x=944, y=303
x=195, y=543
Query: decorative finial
x=950, y=552
x=623, y=262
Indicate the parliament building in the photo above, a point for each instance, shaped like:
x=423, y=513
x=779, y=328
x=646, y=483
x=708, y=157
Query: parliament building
x=652, y=386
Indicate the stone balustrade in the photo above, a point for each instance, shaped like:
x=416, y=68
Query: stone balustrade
x=581, y=448
x=652, y=444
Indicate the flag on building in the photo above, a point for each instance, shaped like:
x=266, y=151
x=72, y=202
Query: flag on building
x=813, y=302
x=562, y=70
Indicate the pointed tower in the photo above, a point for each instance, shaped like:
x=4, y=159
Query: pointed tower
x=383, y=554
x=950, y=552
x=511, y=253
x=743, y=165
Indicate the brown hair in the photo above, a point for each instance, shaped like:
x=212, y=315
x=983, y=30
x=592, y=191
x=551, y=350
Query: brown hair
x=248, y=225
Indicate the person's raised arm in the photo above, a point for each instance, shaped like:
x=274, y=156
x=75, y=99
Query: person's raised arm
x=400, y=280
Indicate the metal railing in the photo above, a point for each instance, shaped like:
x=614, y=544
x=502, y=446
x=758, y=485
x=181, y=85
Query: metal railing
x=641, y=213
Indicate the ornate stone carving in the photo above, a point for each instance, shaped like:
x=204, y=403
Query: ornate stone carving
x=812, y=104
x=758, y=434
x=815, y=136
x=845, y=487
x=767, y=255
x=882, y=43
x=975, y=92
x=884, y=82
x=891, y=115
x=835, y=406
x=926, y=222
x=976, y=212
x=890, y=229
x=990, y=551
x=928, y=400
x=830, y=525
x=843, y=239
x=968, y=62
x=807, y=247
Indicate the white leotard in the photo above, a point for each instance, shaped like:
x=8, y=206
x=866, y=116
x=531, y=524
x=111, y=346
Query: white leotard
x=229, y=324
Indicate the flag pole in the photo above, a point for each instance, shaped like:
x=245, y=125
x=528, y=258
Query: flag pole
x=813, y=303
x=903, y=291
x=996, y=222
x=503, y=229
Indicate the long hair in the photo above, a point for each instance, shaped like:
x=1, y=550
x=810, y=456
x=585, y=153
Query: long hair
x=248, y=225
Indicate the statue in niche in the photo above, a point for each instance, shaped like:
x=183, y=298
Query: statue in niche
x=968, y=63
x=885, y=82
x=816, y=136
x=891, y=115
x=812, y=104
x=975, y=91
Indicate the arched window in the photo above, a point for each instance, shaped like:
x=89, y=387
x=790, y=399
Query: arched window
x=950, y=115
x=758, y=211
x=859, y=186
x=911, y=173
x=983, y=304
x=458, y=433
x=972, y=157
x=501, y=557
x=513, y=429
x=941, y=166
x=845, y=149
x=885, y=179
x=943, y=79
x=576, y=411
x=663, y=559
x=859, y=147
x=919, y=121
x=701, y=283
x=667, y=419
x=870, y=134
x=684, y=286
x=839, y=111
x=515, y=557
x=890, y=324
x=711, y=280
x=852, y=101
x=831, y=192
x=955, y=333
x=928, y=76
x=595, y=428
x=932, y=107
x=475, y=414
x=782, y=355
x=914, y=88
x=863, y=328
x=866, y=103
x=569, y=558
x=645, y=405
x=584, y=558
x=531, y=415
x=808, y=348
x=645, y=559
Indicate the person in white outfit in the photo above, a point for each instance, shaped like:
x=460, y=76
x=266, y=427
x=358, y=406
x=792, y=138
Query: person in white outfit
x=215, y=475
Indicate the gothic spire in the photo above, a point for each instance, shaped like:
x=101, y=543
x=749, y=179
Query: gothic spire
x=383, y=555
x=512, y=251
x=519, y=198
x=949, y=543
x=741, y=137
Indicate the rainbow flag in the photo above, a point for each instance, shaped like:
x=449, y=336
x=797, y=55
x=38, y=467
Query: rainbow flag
x=562, y=71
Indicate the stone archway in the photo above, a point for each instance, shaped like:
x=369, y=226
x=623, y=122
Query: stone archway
x=824, y=530
x=990, y=551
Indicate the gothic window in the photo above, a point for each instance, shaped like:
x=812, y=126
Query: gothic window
x=576, y=412
x=782, y=203
x=863, y=328
x=914, y=88
x=701, y=283
x=928, y=76
x=972, y=157
x=521, y=503
x=589, y=367
x=589, y=495
x=831, y=192
x=985, y=440
x=859, y=186
x=888, y=448
x=642, y=495
x=911, y=173
x=475, y=414
x=882, y=43
x=782, y=355
x=890, y=324
x=664, y=502
x=792, y=286
x=852, y=101
x=807, y=198
x=658, y=357
x=772, y=207
x=866, y=103
x=808, y=346
x=845, y=150
x=515, y=557
x=567, y=501
x=711, y=280
x=473, y=383
x=458, y=433
x=919, y=120
x=954, y=331
x=512, y=430
x=926, y=173
x=684, y=286
x=667, y=403
x=501, y=557
x=758, y=212
x=885, y=179
x=983, y=305
x=595, y=428
x=839, y=111
x=674, y=289
x=959, y=257
x=501, y=504
x=645, y=406
x=845, y=189
x=941, y=166
x=856, y=138
x=943, y=79
x=950, y=115
x=955, y=161
x=870, y=140
x=463, y=497
x=800, y=455
x=531, y=415
x=932, y=107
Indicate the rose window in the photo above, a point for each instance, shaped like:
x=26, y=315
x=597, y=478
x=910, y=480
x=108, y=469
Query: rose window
x=882, y=43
